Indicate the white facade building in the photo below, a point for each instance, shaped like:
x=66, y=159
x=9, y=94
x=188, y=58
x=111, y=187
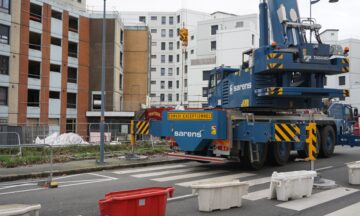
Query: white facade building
x=219, y=41
x=168, y=68
x=349, y=80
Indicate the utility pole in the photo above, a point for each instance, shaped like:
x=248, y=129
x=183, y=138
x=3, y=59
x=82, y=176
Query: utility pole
x=102, y=118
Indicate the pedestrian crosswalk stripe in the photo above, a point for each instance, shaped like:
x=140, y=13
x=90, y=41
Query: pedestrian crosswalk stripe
x=219, y=178
x=261, y=194
x=349, y=210
x=317, y=199
x=258, y=181
x=152, y=174
x=185, y=176
x=146, y=169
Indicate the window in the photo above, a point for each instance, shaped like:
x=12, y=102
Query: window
x=153, y=56
x=191, y=51
x=186, y=55
x=163, y=20
x=73, y=24
x=153, y=82
x=121, y=59
x=170, y=58
x=72, y=75
x=153, y=18
x=35, y=41
x=162, y=97
x=178, y=58
x=170, y=72
x=5, y=6
x=177, y=97
x=253, y=39
x=205, y=91
x=152, y=95
x=162, y=71
x=121, y=36
x=178, y=19
x=72, y=49
x=213, y=45
x=171, y=46
x=162, y=58
x=185, y=83
x=4, y=64
x=153, y=69
x=55, y=41
x=71, y=100
x=153, y=31
x=177, y=84
x=214, y=29
x=70, y=125
x=178, y=45
x=4, y=34
x=3, y=96
x=185, y=96
x=121, y=82
x=342, y=80
x=186, y=68
x=177, y=71
x=54, y=95
x=163, y=46
x=56, y=14
x=170, y=97
x=171, y=20
x=192, y=37
x=171, y=33
x=33, y=98
x=55, y=68
x=142, y=19
x=35, y=12
x=153, y=44
x=163, y=32
x=170, y=84
x=206, y=75
x=34, y=69
x=162, y=84
x=178, y=32
x=239, y=24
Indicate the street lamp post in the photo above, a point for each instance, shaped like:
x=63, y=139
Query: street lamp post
x=102, y=118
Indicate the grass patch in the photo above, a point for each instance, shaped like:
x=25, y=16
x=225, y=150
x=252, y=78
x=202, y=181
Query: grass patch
x=9, y=157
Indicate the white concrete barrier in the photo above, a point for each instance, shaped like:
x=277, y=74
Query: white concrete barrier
x=354, y=173
x=20, y=210
x=291, y=185
x=220, y=195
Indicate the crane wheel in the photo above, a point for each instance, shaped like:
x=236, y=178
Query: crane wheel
x=328, y=141
x=245, y=160
x=279, y=153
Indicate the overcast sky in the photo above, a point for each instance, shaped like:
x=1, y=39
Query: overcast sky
x=344, y=15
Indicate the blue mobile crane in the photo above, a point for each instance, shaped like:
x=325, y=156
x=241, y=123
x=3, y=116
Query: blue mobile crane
x=264, y=109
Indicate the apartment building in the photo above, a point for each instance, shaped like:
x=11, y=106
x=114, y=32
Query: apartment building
x=169, y=62
x=219, y=41
x=44, y=63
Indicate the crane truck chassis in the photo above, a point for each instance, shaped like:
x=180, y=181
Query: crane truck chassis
x=263, y=110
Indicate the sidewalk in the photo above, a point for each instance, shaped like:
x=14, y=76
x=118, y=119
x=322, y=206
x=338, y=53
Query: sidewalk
x=82, y=166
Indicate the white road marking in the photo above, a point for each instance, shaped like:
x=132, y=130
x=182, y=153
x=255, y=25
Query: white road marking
x=14, y=186
x=253, y=196
x=103, y=176
x=221, y=178
x=83, y=183
x=164, y=172
x=21, y=191
x=68, y=176
x=148, y=169
x=258, y=181
x=349, y=210
x=78, y=181
x=185, y=176
x=324, y=168
x=317, y=199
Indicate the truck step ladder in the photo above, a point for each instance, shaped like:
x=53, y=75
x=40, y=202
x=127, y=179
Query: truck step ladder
x=254, y=152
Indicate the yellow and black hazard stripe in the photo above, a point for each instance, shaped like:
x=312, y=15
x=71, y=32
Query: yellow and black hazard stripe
x=275, y=56
x=345, y=61
x=274, y=66
x=142, y=127
x=346, y=93
x=287, y=132
x=311, y=141
x=345, y=69
x=275, y=91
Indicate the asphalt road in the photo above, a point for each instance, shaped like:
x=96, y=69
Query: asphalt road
x=79, y=194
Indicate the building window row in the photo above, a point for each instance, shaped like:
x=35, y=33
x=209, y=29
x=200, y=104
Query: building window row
x=34, y=71
x=4, y=34
x=169, y=97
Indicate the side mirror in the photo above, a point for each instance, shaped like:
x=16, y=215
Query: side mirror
x=356, y=112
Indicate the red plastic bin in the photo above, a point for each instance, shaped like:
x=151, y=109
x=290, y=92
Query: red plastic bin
x=139, y=202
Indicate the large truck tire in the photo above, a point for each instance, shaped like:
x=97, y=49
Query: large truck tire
x=245, y=160
x=328, y=141
x=279, y=153
x=304, y=153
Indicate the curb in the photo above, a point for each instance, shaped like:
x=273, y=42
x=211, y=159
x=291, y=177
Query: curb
x=85, y=170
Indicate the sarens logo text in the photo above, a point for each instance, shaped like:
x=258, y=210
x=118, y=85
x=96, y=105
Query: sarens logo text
x=187, y=134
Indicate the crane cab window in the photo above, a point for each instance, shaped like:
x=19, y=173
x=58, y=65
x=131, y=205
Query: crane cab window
x=348, y=114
